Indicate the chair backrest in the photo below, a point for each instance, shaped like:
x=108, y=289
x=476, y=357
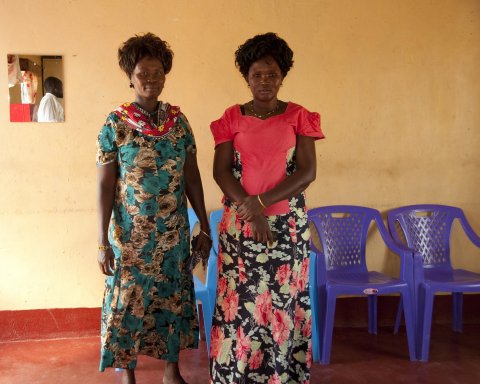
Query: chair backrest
x=211, y=277
x=215, y=218
x=192, y=219
x=426, y=229
x=342, y=230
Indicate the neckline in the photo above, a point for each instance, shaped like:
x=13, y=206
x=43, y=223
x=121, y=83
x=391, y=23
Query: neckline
x=239, y=109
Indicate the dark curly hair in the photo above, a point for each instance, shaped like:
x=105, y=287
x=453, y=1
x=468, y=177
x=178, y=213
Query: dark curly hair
x=259, y=46
x=136, y=48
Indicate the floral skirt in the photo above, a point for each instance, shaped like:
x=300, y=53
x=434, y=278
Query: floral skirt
x=262, y=326
x=144, y=313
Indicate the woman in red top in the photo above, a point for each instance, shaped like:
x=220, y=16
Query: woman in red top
x=264, y=161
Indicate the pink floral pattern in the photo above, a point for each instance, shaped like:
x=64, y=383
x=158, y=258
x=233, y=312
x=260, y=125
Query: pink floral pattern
x=262, y=326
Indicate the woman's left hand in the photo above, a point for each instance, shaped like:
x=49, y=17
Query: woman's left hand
x=249, y=208
x=204, y=243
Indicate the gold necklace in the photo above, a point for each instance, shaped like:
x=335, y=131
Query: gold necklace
x=265, y=115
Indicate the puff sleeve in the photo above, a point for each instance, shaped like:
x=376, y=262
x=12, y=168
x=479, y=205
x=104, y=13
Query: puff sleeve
x=308, y=124
x=222, y=129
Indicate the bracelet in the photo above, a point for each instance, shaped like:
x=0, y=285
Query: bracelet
x=261, y=202
x=205, y=233
x=104, y=247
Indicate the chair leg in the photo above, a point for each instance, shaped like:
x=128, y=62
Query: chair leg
x=328, y=329
x=315, y=326
x=409, y=324
x=372, y=314
x=207, y=322
x=426, y=323
x=398, y=319
x=198, y=319
x=314, y=307
x=457, y=310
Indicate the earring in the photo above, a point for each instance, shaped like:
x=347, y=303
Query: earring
x=131, y=85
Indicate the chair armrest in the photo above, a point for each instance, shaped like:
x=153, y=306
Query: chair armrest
x=320, y=267
x=398, y=248
x=474, y=238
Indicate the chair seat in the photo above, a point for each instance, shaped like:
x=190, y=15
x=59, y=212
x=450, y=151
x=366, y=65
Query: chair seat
x=451, y=279
x=361, y=280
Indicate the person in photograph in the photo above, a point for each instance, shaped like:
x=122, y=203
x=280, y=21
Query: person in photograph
x=264, y=161
x=147, y=168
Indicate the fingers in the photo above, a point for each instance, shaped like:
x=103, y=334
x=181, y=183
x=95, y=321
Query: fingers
x=111, y=266
x=269, y=236
x=203, y=244
x=106, y=262
x=262, y=235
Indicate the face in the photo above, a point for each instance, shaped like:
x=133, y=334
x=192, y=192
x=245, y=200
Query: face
x=148, y=78
x=59, y=90
x=264, y=79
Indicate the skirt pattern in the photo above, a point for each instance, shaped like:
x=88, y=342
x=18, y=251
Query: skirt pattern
x=262, y=326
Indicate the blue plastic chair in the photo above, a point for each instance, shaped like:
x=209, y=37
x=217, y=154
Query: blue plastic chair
x=312, y=280
x=206, y=293
x=426, y=229
x=342, y=269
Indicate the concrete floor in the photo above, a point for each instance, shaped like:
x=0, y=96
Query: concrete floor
x=357, y=357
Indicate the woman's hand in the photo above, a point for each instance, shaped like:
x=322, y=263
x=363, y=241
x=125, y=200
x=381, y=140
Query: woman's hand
x=201, y=250
x=204, y=243
x=249, y=208
x=261, y=230
x=106, y=261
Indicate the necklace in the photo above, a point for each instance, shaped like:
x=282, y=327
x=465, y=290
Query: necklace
x=265, y=115
x=151, y=115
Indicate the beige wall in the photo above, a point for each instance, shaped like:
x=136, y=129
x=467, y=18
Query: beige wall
x=396, y=81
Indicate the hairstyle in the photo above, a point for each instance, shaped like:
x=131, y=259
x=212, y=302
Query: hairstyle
x=259, y=46
x=136, y=48
x=53, y=85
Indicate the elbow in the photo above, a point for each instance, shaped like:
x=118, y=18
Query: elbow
x=308, y=177
x=217, y=175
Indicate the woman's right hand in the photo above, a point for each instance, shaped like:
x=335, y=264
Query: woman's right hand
x=106, y=261
x=261, y=230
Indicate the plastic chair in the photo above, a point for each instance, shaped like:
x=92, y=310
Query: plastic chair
x=206, y=293
x=426, y=229
x=312, y=280
x=342, y=269
x=192, y=219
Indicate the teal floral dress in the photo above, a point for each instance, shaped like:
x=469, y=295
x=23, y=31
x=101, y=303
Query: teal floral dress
x=149, y=302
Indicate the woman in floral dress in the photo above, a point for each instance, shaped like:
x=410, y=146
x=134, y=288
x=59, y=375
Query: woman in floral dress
x=264, y=160
x=147, y=168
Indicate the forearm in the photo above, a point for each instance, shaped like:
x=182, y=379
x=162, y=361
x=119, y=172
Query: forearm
x=293, y=185
x=194, y=191
x=222, y=173
x=105, y=198
x=299, y=180
x=230, y=186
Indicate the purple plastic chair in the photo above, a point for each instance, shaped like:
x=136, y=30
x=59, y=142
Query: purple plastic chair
x=342, y=269
x=426, y=229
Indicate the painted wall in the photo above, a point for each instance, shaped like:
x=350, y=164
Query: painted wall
x=396, y=81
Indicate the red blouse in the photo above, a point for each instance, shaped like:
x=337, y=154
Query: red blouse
x=264, y=146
